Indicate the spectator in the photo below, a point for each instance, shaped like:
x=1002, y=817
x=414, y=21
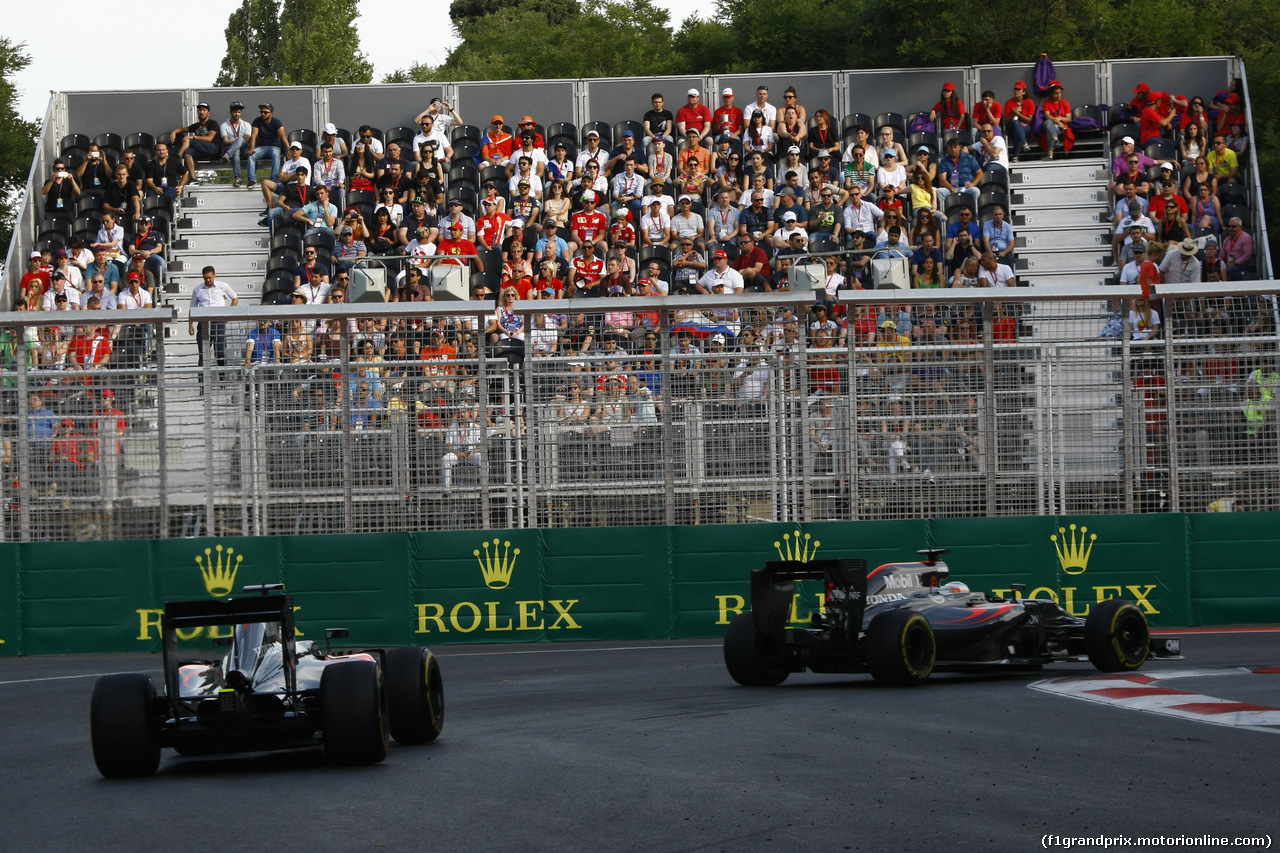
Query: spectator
x=687, y=266
x=588, y=225
x=263, y=345
x=658, y=122
x=121, y=198
x=102, y=267
x=661, y=163
x=789, y=227
x=494, y=227
x=1213, y=268
x=860, y=215
x=923, y=196
x=103, y=298
x=1057, y=122
x=330, y=172
x=826, y=219
x=200, y=141
x=348, y=251
x=997, y=235
x=463, y=441
x=762, y=105
x=695, y=150
x=1237, y=249
x=628, y=185
x=964, y=223
x=311, y=277
x=149, y=245
x=1207, y=209
x=429, y=133
x=266, y=142
x=722, y=220
x=1222, y=161
x=60, y=289
x=213, y=294
x=655, y=225
x=987, y=110
x=458, y=246
x=236, y=135
x=752, y=263
x=693, y=115
x=592, y=180
x=686, y=223
x=91, y=174
x=559, y=168
x=727, y=121
x=110, y=238
x=949, y=112
x=862, y=149
x=1166, y=202
x=362, y=167
x=995, y=274
x=1200, y=175
x=458, y=217
x=989, y=147
x=60, y=191
x=966, y=273
x=551, y=246
x=958, y=172
x=1157, y=115
x=721, y=274
x=592, y=151
x=758, y=136
x=318, y=214
x=1182, y=266
x=536, y=156
x=792, y=130
x=525, y=209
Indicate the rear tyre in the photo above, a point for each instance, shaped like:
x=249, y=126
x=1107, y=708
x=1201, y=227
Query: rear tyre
x=355, y=716
x=900, y=648
x=124, y=733
x=742, y=656
x=1116, y=636
x=415, y=695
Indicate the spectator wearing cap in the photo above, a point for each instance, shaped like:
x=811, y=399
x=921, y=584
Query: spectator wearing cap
x=295, y=195
x=687, y=264
x=591, y=151
x=721, y=275
x=694, y=150
x=199, y=140
x=429, y=133
x=36, y=274
x=686, y=223
x=236, y=134
x=655, y=225
x=457, y=217
x=1130, y=270
x=458, y=248
x=329, y=134
x=348, y=251
x=560, y=167
x=788, y=201
x=493, y=227
x=694, y=115
x=588, y=225
x=789, y=227
x=496, y=145
x=551, y=246
x=1019, y=113
x=60, y=287
x=267, y=141
x=150, y=246
x=294, y=165
x=165, y=175
x=727, y=121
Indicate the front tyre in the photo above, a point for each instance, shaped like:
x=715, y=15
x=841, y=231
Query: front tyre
x=1116, y=636
x=742, y=656
x=123, y=731
x=900, y=648
x=415, y=695
x=355, y=714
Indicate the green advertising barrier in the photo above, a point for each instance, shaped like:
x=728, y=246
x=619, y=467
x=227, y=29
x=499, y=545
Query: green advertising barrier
x=619, y=583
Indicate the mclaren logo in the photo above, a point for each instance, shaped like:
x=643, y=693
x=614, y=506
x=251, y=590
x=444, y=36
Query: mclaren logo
x=799, y=550
x=219, y=575
x=497, y=567
x=1073, y=553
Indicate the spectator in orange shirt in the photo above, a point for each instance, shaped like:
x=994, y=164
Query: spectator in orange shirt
x=696, y=151
x=497, y=145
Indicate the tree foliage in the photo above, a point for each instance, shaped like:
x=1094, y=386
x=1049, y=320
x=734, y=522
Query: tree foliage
x=297, y=43
x=17, y=138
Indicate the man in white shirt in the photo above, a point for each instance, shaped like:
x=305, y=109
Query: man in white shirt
x=861, y=215
x=431, y=132
x=235, y=137
x=762, y=105
x=994, y=274
x=989, y=148
x=686, y=223
x=212, y=294
x=1182, y=266
x=722, y=274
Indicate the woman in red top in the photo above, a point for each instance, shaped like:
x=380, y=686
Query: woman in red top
x=950, y=110
x=1019, y=112
x=1057, y=118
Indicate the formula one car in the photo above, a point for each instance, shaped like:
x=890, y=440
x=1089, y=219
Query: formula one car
x=903, y=621
x=269, y=691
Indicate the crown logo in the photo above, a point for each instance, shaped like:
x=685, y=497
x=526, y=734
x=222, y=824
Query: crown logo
x=497, y=567
x=801, y=550
x=219, y=576
x=1073, y=553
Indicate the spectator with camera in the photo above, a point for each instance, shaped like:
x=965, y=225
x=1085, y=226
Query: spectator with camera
x=60, y=191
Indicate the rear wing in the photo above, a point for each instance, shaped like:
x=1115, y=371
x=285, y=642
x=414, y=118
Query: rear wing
x=184, y=615
x=773, y=591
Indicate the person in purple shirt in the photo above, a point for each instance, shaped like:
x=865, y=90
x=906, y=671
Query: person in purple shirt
x=1237, y=251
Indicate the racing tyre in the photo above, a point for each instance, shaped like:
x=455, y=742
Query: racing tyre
x=415, y=695
x=1116, y=636
x=124, y=733
x=355, y=714
x=900, y=648
x=742, y=657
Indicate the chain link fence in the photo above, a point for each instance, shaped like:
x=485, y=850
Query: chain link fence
x=374, y=417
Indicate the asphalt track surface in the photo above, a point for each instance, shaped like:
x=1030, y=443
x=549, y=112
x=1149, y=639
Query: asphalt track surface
x=651, y=746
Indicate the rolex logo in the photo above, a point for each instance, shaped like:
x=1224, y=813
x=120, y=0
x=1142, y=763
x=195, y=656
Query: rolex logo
x=1073, y=552
x=219, y=574
x=799, y=550
x=498, y=565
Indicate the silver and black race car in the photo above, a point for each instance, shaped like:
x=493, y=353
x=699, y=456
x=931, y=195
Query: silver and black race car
x=269, y=691
x=903, y=621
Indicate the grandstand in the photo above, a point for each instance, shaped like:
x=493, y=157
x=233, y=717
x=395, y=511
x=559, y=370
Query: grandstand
x=1021, y=407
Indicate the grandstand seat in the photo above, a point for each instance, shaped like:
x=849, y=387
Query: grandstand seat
x=923, y=137
x=464, y=171
x=74, y=140
x=661, y=254
x=853, y=120
x=286, y=241
x=1231, y=192
x=990, y=199
x=277, y=297
x=892, y=120
x=324, y=256
x=636, y=128
x=965, y=137
x=1229, y=211
x=278, y=281
x=492, y=276
x=1094, y=112
x=285, y=262
x=88, y=222
x=73, y=157
x=306, y=136
x=465, y=131
x=158, y=204
x=562, y=128
x=465, y=149
x=403, y=135
x=994, y=176
x=360, y=198
x=345, y=135
x=600, y=127
x=955, y=201
x=824, y=245
x=88, y=203
x=51, y=243
x=140, y=140
x=467, y=195
x=1121, y=130
x=1162, y=149
x=111, y=143
x=319, y=239
x=497, y=174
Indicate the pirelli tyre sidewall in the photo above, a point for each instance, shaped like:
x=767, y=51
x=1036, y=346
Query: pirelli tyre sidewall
x=742, y=656
x=1116, y=636
x=900, y=648
x=415, y=695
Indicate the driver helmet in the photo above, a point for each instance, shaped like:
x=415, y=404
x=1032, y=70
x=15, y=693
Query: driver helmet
x=955, y=586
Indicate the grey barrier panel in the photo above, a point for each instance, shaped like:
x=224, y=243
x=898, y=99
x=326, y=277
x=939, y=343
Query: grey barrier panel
x=153, y=112
x=814, y=90
x=1188, y=76
x=548, y=101
x=382, y=107
x=294, y=105
x=1079, y=81
x=902, y=90
x=629, y=98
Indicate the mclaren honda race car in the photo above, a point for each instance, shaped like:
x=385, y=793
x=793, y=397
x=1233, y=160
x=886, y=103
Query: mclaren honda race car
x=903, y=621
x=269, y=691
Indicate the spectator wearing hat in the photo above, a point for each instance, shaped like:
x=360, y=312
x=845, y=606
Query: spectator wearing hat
x=658, y=122
x=496, y=145
x=165, y=175
x=588, y=225
x=267, y=140
x=721, y=274
x=622, y=235
x=727, y=121
x=329, y=134
x=655, y=225
x=236, y=134
x=789, y=201
x=149, y=245
x=592, y=151
x=199, y=140
x=1057, y=122
x=348, y=251
x=1019, y=113
x=949, y=112
x=458, y=217
x=1182, y=266
x=694, y=115
x=493, y=227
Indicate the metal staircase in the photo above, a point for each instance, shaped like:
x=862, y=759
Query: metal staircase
x=1061, y=222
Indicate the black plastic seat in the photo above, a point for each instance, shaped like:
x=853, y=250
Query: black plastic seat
x=605, y=130
x=465, y=131
x=305, y=135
